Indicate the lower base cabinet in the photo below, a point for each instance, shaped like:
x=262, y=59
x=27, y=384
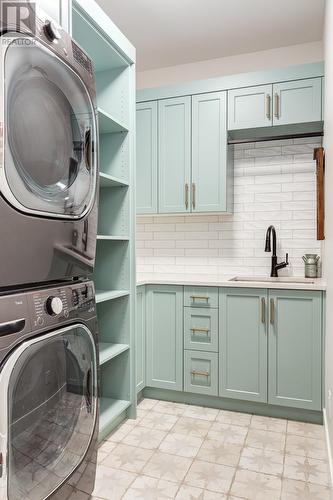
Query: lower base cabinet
x=201, y=372
x=140, y=339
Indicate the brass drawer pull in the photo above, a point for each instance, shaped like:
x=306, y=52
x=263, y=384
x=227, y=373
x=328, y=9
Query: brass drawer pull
x=272, y=312
x=276, y=105
x=193, y=196
x=199, y=372
x=263, y=310
x=186, y=196
x=268, y=106
x=200, y=297
x=203, y=330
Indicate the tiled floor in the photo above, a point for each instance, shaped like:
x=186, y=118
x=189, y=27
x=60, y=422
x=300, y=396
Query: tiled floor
x=189, y=452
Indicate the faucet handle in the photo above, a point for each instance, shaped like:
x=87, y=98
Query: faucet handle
x=287, y=258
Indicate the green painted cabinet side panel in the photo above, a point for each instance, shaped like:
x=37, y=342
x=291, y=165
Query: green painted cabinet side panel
x=243, y=344
x=298, y=102
x=209, y=152
x=201, y=372
x=201, y=296
x=146, y=158
x=164, y=341
x=295, y=340
x=174, y=140
x=201, y=329
x=250, y=107
x=140, y=339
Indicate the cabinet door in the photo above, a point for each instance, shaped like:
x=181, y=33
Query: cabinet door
x=201, y=372
x=209, y=152
x=295, y=338
x=201, y=329
x=140, y=336
x=164, y=341
x=146, y=157
x=243, y=344
x=250, y=107
x=297, y=102
x=174, y=139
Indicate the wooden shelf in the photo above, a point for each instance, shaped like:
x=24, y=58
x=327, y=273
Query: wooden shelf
x=109, y=351
x=106, y=237
x=108, y=124
x=110, y=409
x=106, y=180
x=103, y=295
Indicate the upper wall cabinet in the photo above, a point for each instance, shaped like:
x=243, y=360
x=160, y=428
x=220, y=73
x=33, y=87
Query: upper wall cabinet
x=174, y=141
x=250, y=107
x=297, y=102
x=146, y=157
x=209, y=153
x=279, y=104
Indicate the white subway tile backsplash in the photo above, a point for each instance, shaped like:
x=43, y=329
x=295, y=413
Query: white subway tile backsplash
x=274, y=184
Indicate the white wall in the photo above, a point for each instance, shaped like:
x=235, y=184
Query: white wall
x=255, y=61
x=274, y=184
x=329, y=212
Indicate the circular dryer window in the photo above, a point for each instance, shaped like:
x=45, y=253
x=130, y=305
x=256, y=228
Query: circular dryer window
x=50, y=133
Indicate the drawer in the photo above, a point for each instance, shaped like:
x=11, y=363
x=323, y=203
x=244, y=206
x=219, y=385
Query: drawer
x=201, y=296
x=201, y=372
x=201, y=328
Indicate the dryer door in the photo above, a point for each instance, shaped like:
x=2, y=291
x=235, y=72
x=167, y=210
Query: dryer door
x=50, y=161
x=48, y=390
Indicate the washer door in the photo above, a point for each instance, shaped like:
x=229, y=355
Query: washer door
x=50, y=134
x=49, y=390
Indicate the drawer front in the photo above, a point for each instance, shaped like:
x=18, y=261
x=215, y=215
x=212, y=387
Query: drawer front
x=201, y=329
x=202, y=296
x=201, y=372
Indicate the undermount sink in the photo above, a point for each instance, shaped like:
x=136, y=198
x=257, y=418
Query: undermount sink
x=261, y=279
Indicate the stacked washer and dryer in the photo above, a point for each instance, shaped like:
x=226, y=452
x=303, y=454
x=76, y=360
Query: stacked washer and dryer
x=48, y=225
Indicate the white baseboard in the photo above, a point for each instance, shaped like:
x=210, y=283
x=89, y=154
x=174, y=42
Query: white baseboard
x=329, y=447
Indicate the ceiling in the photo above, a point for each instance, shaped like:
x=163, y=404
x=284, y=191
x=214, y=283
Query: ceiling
x=171, y=32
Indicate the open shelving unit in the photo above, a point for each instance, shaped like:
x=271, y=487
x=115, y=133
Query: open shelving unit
x=114, y=59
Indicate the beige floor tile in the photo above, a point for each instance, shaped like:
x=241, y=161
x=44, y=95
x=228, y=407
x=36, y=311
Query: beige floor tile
x=191, y=493
x=234, y=418
x=213, y=477
x=169, y=467
x=147, y=404
x=192, y=427
x=262, y=460
x=306, y=447
x=140, y=415
x=220, y=452
x=170, y=408
x=101, y=455
x=112, y=483
x=269, y=424
x=159, y=421
x=306, y=469
x=181, y=444
x=150, y=488
x=256, y=486
x=233, y=434
x=142, y=437
x=313, y=431
x=128, y=458
x=266, y=439
x=299, y=490
x=120, y=432
x=106, y=446
x=201, y=412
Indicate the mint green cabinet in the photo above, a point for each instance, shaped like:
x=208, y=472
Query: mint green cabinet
x=250, y=107
x=140, y=339
x=174, y=146
x=164, y=337
x=243, y=344
x=209, y=152
x=295, y=348
x=297, y=102
x=146, y=157
x=201, y=296
x=201, y=372
x=201, y=329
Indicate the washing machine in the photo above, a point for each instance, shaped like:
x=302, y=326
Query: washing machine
x=48, y=393
x=48, y=153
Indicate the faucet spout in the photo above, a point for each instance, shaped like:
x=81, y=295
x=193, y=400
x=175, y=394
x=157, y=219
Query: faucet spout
x=271, y=234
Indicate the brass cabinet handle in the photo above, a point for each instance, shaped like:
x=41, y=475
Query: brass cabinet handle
x=272, y=311
x=199, y=372
x=276, y=105
x=193, y=195
x=199, y=297
x=186, y=196
x=201, y=330
x=268, y=106
x=263, y=310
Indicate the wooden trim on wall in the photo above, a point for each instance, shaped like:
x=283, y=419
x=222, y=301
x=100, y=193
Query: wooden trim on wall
x=319, y=156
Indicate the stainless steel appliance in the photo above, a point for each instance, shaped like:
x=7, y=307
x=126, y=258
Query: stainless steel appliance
x=48, y=392
x=48, y=158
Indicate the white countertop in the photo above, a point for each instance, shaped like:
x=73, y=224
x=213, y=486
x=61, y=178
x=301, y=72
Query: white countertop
x=282, y=283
